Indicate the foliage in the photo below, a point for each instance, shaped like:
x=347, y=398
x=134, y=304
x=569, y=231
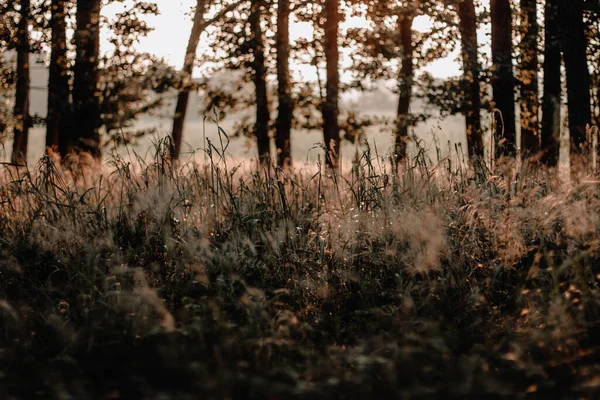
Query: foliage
x=131, y=85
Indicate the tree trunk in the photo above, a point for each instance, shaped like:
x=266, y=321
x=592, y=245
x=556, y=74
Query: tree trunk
x=261, y=128
x=574, y=45
x=286, y=103
x=331, y=128
x=471, y=81
x=58, y=83
x=85, y=84
x=550, y=144
x=503, y=82
x=530, y=138
x=405, y=86
x=188, y=67
x=21, y=109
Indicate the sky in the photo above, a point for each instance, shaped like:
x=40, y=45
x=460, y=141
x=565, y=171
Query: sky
x=172, y=28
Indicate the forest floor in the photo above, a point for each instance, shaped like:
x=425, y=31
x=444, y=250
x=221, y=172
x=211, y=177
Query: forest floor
x=213, y=282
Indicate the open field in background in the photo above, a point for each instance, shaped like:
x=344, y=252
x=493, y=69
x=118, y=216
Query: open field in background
x=439, y=137
x=240, y=148
x=217, y=282
x=381, y=103
x=434, y=134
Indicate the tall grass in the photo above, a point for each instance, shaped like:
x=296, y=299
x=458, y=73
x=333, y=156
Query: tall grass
x=146, y=279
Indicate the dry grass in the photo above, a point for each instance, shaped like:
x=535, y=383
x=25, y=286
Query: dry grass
x=207, y=281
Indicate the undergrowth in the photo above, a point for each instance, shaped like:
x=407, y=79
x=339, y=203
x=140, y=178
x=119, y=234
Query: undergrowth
x=153, y=280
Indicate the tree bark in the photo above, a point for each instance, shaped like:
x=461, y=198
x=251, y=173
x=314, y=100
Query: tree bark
x=503, y=82
x=331, y=128
x=286, y=103
x=85, y=84
x=574, y=47
x=471, y=81
x=21, y=109
x=58, y=83
x=530, y=138
x=405, y=85
x=550, y=141
x=261, y=127
x=188, y=67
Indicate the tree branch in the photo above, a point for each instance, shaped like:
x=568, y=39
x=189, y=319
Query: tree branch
x=221, y=14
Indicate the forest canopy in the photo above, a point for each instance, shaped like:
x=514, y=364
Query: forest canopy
x=540, y=56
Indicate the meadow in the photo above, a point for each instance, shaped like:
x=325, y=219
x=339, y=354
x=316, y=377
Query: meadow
x=146, y=279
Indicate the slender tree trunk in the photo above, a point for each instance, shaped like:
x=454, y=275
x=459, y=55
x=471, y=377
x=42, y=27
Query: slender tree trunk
x=58, y=83
x=530, y=138
x=471, y=81
x=261, y=128
x=503, y=82
x=188, y=67
x=286, y=103
x=85, y=84
x=21, y=109
x=405, y=86
x=550, y=142
x=597, y=98
x=574, y=45
x=331, y=128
